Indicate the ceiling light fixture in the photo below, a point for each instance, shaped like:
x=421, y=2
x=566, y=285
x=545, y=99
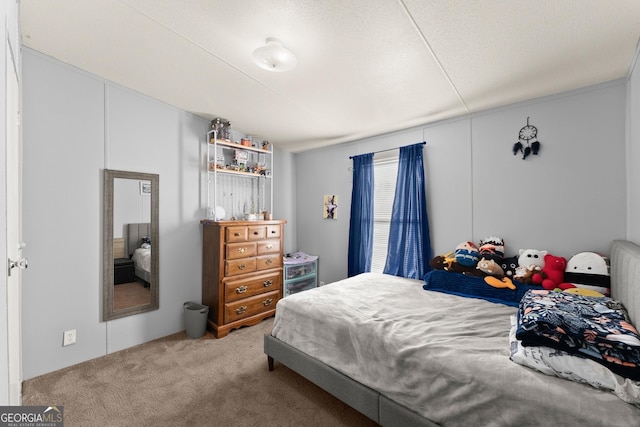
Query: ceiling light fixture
x=274, y=57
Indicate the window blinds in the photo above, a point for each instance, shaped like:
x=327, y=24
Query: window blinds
x=385, y=173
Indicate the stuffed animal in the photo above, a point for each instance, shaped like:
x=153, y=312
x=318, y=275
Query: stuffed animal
x=551, y=276
x=492, y=248
x=443, y=262
x=584, y=292
x=439, y=262
x=589, y=270
x=509, y=265
x=467, y=254
x=495, y=275
x=529, y=257
x=490, y=267
x=448, y=262
x=525, y=274
x=503, y=282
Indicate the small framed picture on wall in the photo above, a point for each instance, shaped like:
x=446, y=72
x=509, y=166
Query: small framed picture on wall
x=330, y=207
x=145, y=188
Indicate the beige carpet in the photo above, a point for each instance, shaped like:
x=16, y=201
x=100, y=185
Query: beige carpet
x=179, y=381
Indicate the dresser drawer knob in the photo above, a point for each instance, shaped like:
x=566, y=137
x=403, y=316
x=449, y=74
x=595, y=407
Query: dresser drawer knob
x=241, y=310
x=269, y=261
x=242, y=250
x=267, y=302
x=236, y=234
x=269, y=246
x=267, y=283
x=241, y=266
x=241, y=289
x=255, y=233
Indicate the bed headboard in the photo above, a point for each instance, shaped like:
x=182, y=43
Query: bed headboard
x=134, y=234
x=625, y=276
x=119, y=250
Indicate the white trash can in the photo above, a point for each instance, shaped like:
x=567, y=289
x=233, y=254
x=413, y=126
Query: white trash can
x=195, y=319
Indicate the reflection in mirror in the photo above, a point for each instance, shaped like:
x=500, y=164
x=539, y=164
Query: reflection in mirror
x=130, y=243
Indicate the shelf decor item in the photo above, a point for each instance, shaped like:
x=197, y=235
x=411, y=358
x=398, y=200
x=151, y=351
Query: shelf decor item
x=222, y=128
x=237, y=175
x=528, y=135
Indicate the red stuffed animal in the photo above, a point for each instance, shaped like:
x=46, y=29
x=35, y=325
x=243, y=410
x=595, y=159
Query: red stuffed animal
x=552, y=274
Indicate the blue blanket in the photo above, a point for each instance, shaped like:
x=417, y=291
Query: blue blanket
x=474, y=287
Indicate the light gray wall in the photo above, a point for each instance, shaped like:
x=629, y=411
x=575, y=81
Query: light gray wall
x=569, y=198
x=75, y=125
x=63, y=143
x=284, y=203
x=633, y=151
x=144, y=135
x=129, y=205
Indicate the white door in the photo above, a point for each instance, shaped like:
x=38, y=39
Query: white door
x=14, y=232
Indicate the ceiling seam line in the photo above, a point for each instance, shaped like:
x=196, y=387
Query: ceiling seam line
x=433, y=54
x=188, y=39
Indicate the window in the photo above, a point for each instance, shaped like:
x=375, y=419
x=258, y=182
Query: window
x=385, y=171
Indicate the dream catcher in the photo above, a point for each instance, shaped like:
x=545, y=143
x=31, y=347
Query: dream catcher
x=527, y=141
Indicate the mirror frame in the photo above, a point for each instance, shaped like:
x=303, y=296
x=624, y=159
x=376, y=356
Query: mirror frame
x=108, y=313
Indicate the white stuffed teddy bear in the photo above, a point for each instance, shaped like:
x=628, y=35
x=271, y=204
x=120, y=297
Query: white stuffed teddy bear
x=530, y=261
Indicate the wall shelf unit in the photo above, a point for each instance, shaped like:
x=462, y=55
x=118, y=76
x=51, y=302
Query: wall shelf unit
x=239, y=184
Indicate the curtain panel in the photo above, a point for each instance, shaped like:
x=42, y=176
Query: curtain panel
x=409, y=240
x=361, y=222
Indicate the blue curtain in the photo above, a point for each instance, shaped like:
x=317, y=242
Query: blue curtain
x=361, y=221
x=409, y=240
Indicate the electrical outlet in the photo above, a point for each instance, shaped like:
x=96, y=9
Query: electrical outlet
x=68, y=337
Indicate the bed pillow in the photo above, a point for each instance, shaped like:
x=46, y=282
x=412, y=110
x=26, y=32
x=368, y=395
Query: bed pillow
x=561, y=364
x=474, y=287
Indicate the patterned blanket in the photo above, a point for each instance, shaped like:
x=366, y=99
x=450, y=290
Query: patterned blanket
x=597, y=328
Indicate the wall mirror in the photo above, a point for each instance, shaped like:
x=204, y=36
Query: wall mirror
x=130, y=243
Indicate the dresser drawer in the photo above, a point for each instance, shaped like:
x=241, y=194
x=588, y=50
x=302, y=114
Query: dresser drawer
x=266, y=262
x=239, y=266
x=250, y=306
x=237, y=234
x=273, y=231
x=242, y=288
x=294, y=287
x=257, y=232
x=269, y=247
x=240, y=250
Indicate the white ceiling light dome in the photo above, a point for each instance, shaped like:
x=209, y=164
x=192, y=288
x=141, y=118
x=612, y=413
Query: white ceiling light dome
x=274, y=56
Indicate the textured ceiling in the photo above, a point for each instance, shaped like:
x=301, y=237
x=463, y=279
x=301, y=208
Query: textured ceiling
x=365, y=67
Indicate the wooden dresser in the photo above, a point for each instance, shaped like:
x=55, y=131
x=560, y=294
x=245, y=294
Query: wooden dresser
x=241, y=272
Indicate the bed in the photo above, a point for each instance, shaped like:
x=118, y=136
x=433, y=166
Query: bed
x=406, y=356
x=138, y=247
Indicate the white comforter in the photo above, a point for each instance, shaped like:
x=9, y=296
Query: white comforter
x=142, y=258
x=445, y=357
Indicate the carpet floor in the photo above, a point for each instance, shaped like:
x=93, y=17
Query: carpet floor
x=179, y=381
